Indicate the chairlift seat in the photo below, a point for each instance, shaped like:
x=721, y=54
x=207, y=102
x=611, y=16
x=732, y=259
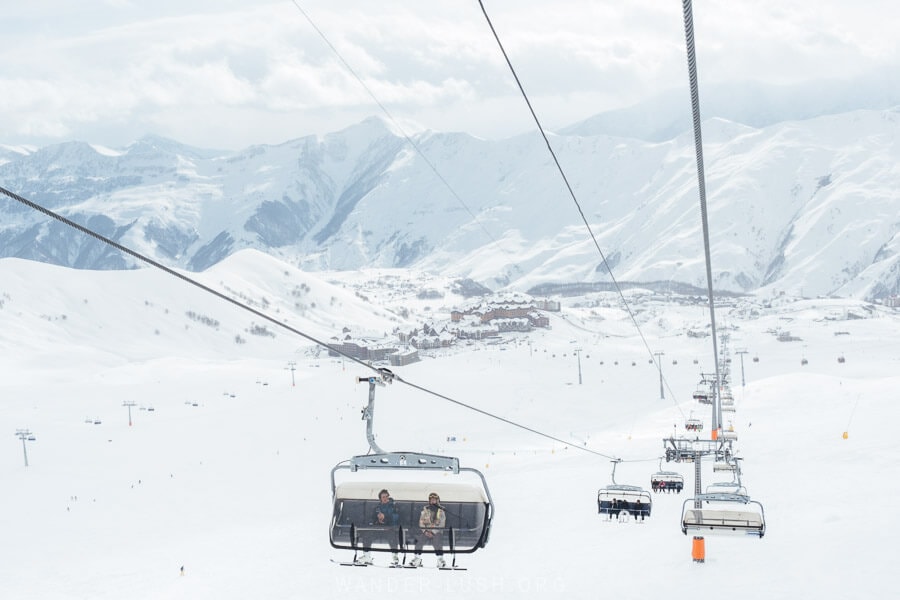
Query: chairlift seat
x=614, y=499
x=664, y=481
x=729, y=514
x=465, y=500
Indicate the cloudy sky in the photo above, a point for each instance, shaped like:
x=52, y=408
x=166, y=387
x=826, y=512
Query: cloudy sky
x=231, y=73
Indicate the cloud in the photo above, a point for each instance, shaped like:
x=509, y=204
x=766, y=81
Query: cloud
x=71, y=72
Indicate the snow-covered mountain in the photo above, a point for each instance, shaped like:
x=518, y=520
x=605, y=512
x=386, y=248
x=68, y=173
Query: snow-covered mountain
x=808, y=207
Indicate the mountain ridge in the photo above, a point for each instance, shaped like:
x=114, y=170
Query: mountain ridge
x=807, y=207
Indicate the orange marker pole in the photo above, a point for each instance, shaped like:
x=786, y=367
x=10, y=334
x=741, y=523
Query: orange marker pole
x=698, y=549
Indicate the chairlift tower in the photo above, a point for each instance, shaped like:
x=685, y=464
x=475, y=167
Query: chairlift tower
x=578, y=355
x=658, y=355
x=129, y=404
x=742, y=352
x=292, y=366
x=25, y=435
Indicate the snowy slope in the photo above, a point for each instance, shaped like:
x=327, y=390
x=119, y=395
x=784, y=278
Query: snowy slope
x=236, y=488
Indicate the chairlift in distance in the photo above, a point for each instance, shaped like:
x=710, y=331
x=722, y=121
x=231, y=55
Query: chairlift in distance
x=620, y=501
x=803, y=362
x=693, y=424
x=841, y=359
x=666, y=481
x=726, y=487
x=409, y=477
x=722, y=466
x=727, y=397
x=755, y=358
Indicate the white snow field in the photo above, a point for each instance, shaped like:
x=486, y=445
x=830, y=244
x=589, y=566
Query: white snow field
x=229, y=475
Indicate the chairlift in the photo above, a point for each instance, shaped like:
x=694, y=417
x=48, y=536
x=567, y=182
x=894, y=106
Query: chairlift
x=721, y=466
x=756, y=359
x=726, y=487
x=621, y=501
x=803, y=362
x=723, y=514
x=841, y=359
x=703, y=394
x=409, y=478
x=666, y=481
x=693, y=424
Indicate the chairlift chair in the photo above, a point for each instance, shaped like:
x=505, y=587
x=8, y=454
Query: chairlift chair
x=620, y=501
x=721, y=466
x=409, y=478
x=703, y=394
x=693, y=424
x=726, y=487
x=666, y=481
x=723, y=514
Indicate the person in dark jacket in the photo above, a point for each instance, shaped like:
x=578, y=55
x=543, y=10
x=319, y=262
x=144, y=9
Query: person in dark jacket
x=384, y=526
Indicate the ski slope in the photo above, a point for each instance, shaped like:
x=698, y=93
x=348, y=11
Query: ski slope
x=236, y=488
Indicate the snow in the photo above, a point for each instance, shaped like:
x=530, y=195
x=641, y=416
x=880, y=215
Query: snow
x=236, y=489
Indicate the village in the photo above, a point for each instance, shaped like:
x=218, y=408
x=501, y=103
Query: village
x=482, y=319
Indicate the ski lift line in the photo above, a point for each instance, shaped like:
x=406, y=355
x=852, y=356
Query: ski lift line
x=701, y=183
x=175, y=273
x=502, y=419
x=396, y=124
x=382, y=372
x=852, y=412
x=571, y=191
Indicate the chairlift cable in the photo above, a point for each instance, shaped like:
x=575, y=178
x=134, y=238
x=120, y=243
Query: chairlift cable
x=396, y=124
x=571, y=191
x=701, y=184
x=382, y=372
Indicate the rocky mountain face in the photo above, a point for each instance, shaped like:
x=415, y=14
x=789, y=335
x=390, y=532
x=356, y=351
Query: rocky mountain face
x=807, y=207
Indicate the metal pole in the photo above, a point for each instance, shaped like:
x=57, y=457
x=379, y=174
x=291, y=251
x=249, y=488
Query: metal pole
x=369, y=414
x=24, y=434
x=292, y=366
x=578, y=354
x=662, y=393
x=129, y=404
x=742, y=353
